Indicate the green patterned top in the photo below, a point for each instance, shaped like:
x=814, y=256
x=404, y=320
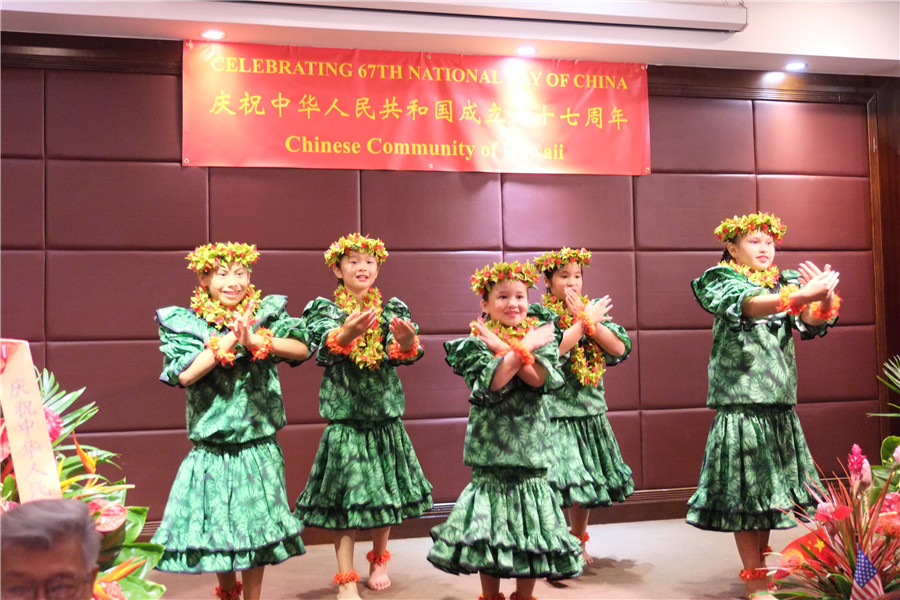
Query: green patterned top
x=230, y=404
x=508, y=427
x=574, y=399
x=752, y=359
x=349, y=392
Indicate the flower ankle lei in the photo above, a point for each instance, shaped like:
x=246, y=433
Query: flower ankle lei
x=764, y=278
x=367, y=350
x=217, y=315
x=587, y=356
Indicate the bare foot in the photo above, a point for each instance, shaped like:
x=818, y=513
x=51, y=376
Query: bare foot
x=378, y=577
x=348, y=591
x=588, y=559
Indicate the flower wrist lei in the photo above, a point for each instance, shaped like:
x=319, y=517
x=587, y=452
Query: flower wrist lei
x=826, y=315
x=226, y=357
x=263, y=349
x=395, y=353
x=335, y=346
x=589, y=327
x=526, y=356
x=784, y=301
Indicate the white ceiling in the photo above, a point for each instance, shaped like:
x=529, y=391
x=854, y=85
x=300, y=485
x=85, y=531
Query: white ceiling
x=861, y=38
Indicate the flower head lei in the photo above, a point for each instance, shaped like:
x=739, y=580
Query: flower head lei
x=211, y=256
x=367, y=351
x=735, y=227
x=359, y=243
x=551, y=261
x=587, y=356
x=484, y=279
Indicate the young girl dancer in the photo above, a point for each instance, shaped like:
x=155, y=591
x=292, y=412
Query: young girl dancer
x=507, y=521
x=227, y=511
x=757, y=465
x=589, y=470
x=366, y=474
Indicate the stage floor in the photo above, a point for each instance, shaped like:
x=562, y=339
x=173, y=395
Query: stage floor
x=648, y=560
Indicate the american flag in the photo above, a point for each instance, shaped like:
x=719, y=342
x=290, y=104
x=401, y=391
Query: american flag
x=866, y=582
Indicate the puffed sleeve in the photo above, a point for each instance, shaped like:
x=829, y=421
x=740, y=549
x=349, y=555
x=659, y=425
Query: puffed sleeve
x=721, y=291
x=396, y=308
x=273, y=315
x=183, y=336
x=320, y=317
x=619, y=331
x=473, y=360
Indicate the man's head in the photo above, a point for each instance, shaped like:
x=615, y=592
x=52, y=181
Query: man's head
x=48, y=549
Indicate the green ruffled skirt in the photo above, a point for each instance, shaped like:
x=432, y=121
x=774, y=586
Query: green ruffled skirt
x=507, y=523
x=228, y=511
x=756, y=466
x=365, y=475
x=589, y=470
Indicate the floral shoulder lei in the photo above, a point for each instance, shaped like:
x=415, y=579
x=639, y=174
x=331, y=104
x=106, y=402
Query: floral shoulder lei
x=507, y=333
x=587, y=356
x=216, y=314
x=766, y=278
x=367, y=351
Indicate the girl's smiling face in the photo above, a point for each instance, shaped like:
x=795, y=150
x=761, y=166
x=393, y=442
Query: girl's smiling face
x=507, y=302
x=358, y=270
x=228, y=284
x=567, y=276
x=756, y=250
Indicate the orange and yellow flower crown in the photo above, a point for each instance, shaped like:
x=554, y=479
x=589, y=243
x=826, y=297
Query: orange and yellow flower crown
x=207, y=257
x=551, y=261
x=738, y=226
x=484, y=279
x=356, y=242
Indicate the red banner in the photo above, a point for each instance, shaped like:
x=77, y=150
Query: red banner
x=285, y=106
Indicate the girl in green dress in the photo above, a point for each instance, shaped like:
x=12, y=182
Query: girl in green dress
x=757, y=466
x=365, y=474
x=228, y=509
x=507, y=522
x=589, y=470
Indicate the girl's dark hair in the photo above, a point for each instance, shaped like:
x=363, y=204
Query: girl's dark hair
x=551, y=272
x=726, y=255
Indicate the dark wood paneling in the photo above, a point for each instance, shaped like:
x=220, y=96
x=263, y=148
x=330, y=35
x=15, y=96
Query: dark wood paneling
x=22, y=111
x=125, y=205
x=22, y=205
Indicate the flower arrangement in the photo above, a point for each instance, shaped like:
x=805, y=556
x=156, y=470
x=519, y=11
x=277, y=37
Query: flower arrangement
x=852, y=548
x=854, y=526
x=124, y=562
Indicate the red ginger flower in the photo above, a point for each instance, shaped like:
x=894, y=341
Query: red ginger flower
x=855, y=460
